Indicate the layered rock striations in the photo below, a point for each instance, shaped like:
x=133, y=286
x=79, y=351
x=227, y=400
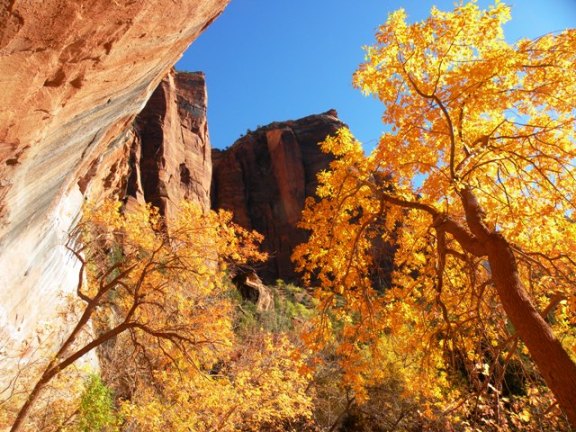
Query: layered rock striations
x=264, y=179
x=73, y=76
x=170, y=156
x=165, y=156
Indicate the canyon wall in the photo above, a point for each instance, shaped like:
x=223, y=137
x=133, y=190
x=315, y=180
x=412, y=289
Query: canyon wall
x=74, y=74
x=165, y=156
x=171, y=154
x=264, y=179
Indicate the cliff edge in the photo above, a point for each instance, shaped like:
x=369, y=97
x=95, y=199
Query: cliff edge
x=264, y=179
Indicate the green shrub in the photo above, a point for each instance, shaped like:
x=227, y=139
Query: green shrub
x=96, y=412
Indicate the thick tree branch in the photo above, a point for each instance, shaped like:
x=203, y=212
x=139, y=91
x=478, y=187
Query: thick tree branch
x=474, y=214
x=467, y=240
x=441, y=221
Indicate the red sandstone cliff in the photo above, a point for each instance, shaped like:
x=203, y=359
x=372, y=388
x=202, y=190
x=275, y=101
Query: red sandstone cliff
x=73, y=77
x=264, y=179
x=165, y=156
x=171, y=156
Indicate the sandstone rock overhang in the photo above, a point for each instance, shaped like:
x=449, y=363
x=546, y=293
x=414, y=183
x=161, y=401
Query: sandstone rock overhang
x=73, y=77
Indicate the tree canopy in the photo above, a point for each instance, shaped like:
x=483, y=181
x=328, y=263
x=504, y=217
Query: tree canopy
x=473, y=185
x=160, y=307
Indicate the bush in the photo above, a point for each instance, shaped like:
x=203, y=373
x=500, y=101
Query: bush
x=96, y=412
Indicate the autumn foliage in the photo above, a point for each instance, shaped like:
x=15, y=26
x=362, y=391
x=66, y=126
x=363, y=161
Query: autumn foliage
x=160, y=308
x=470, y=192
x=473, y=187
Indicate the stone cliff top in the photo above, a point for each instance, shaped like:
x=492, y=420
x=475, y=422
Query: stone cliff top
x=264, y=179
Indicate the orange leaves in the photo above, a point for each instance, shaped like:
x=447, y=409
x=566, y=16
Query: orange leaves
x=467, y=108
x=470, y=115
x=167, y=288
x=258, y=386
x=457, y=94
x=174, y=300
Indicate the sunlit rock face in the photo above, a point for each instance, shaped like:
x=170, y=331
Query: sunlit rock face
x=73, y=75
x=264, y=179
x=171, y=155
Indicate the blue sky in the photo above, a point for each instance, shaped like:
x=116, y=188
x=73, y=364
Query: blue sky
x=275, y=60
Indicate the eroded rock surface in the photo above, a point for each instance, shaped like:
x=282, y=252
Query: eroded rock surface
x=171, y=154
x=264, y=179
x=73, y=77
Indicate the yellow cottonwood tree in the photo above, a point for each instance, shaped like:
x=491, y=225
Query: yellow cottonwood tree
x=474, y=185
x=165, y=292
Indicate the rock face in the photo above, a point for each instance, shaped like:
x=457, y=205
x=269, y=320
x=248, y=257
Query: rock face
x=165, y=156
x=173, y=154
x=73, y=77
x=170, y=155
x=264, y=179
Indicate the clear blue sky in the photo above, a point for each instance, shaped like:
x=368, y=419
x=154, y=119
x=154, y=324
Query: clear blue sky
x=274, y=60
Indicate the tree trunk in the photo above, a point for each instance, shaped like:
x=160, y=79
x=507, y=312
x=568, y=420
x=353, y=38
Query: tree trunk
x=552, y=360
x=55, y=368
x=32, y=397
x=554, y=363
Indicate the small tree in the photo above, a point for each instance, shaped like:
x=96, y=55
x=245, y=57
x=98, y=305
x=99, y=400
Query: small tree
x=475, y=186
x=164, y=290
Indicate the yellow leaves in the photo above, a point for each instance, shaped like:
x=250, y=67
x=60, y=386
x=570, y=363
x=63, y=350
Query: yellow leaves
x=168, y=286
x=258, y=386
x=468, y=111
x=343, y=144
x=451, y=79
x=524, y=416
